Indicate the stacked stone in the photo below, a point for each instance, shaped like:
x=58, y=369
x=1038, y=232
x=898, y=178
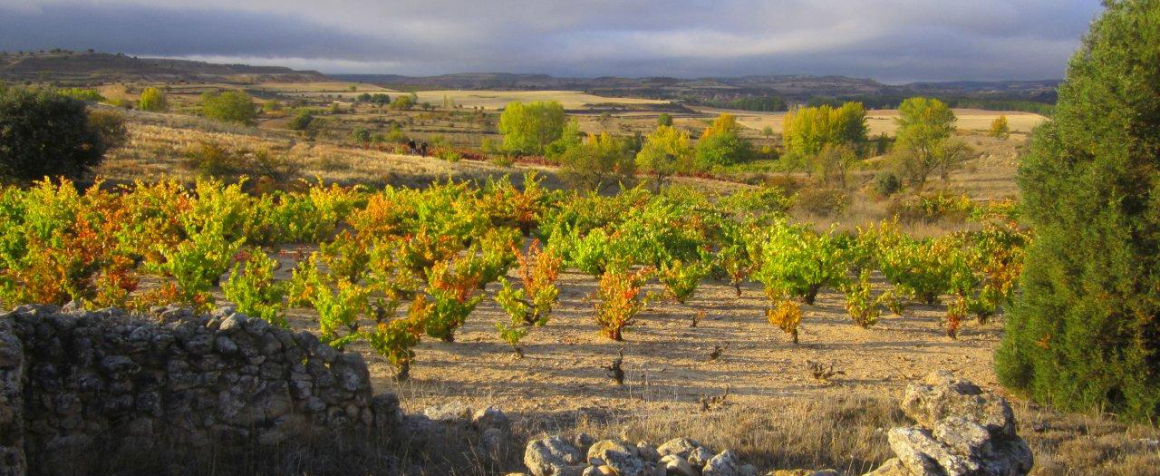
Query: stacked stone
x=581, y=456
x=962, y=430
x=12, y=367
x=181, y=378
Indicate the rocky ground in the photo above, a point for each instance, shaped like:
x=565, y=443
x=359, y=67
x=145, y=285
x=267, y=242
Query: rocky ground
x=960, y=430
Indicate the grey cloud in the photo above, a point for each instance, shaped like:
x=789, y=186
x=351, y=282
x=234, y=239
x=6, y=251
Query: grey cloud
x=171, y=32
x=893, y=40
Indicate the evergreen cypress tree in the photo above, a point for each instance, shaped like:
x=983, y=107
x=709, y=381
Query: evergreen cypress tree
x=1085, y=333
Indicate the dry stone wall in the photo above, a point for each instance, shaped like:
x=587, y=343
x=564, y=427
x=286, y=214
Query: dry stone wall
x=70, y=378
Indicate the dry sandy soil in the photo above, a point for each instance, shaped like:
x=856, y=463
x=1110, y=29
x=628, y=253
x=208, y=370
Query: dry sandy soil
x=667, y=361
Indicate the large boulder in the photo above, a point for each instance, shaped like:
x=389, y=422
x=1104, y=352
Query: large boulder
x=597, y=449
x=724, y=464
x=624, y=464
x=647, y=452
x=448, y=412
x=963, y=430
x=699, y=457
x=943, y=395
x=678, y=446
x=675, y=465
x=552, y=456
x=491, y=417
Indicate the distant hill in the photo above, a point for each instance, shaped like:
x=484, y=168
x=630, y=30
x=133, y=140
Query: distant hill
x=723, y=91
x=771, y=92
x=89, y=68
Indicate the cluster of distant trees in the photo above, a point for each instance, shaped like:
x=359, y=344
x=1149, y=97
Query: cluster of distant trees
x=592, y=161
x=745, y=103
x=893, y=102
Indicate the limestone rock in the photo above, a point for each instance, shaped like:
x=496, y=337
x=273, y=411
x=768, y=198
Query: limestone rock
x=724, y=464
x=699, y=457
x=943, y=395
x=551, y=456
x=675, y=465
x=892, y=467
x=647, y=452
x=597, y=449
x=622, y=463
x=923, y=455
x=963, y=430
x=448, y=412
x=678, y=446
x=491, y=417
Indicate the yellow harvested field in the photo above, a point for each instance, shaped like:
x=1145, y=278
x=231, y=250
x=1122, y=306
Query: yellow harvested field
x=497, y=99
x=321, y=87
x=882, y=120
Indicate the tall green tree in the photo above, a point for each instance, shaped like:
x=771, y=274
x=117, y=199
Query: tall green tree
x=1085, y=334
x=599, y=161
x=722, y=144
x=665, y=152
x=923, y=121
x=529, y=128
x=808, y=130
x=925, y=144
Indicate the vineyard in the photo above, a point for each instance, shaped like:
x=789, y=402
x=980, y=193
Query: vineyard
x=396, y=266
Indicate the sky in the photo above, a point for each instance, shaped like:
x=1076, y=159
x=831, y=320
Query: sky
x=888, y=40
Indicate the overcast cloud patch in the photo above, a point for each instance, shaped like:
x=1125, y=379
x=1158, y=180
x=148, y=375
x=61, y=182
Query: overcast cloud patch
x=890, y=40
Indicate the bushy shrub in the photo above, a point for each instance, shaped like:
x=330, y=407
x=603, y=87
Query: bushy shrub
x=721, y=144
x=531, y=305
x=932, y=207
x=822, y=201
x=451, y=297
x=999, y=128
x=681, y=279
x=255, y=291
x=861, y=305
x=45, y=134
x=211, y=160
x=229, y=106
x=798, y=262
x=786, y=315
x=153, y=100
x=619, y=299
x=450, y=156
x=198, y=263
x=886, y=183
x=82, y=94
x=599, y=161
x=301, y=121
x=396, y=340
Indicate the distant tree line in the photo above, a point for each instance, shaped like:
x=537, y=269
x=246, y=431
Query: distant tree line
x=986, y=104
x=746, y=103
